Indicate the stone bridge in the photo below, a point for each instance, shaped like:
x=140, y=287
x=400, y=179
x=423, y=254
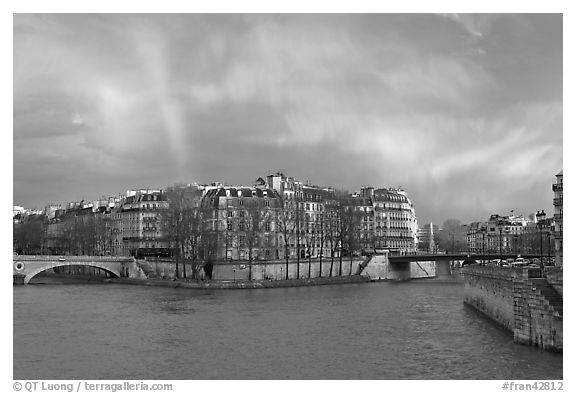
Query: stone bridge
x=25, y=267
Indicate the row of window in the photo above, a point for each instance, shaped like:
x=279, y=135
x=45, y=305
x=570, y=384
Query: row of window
x=242, y=226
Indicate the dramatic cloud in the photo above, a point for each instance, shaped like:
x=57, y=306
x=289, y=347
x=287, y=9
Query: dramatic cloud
x=463, y=111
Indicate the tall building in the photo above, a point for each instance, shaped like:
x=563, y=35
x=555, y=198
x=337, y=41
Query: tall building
x=558, y=219
x=241, y=223
x=138, y=223
x=476, y=237
x=396, y=225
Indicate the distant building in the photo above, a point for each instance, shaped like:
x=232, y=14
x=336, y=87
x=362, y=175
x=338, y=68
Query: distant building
x=509, y=235
x=50, y=210
x=558, y=219
x=19, y=213
x=476, y=237
x=17, y=210
x=279, y=217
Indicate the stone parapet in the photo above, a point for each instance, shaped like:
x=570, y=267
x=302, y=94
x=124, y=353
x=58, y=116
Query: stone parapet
x=79, y=258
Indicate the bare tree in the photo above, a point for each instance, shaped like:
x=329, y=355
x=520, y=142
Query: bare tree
x=181, y=226
x=298, y=223
x=256, y=214
x=331, y=234
x=28, y=235
x=321, y=217
x=452, y=236
x=309, y=240
x=102, y=234
x=287, y=227
x=192, y=223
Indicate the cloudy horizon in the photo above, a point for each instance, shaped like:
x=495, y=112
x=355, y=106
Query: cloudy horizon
x=464, y=112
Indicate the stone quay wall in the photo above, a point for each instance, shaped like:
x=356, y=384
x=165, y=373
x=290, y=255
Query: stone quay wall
x=376, y=268
x=276, y=269
x=261, y=270
x=536, y=322
x=254, y=284
x=519, y=300
x=490, y=290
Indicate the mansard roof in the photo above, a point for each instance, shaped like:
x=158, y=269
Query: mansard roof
x=246, y=192
x=392, y=195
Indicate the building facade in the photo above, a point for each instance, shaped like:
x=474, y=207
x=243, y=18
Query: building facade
x=241, y=223
x=396, y=225
x=558, y=202
x=277, y=218
x=510, y=235
x=137, y=224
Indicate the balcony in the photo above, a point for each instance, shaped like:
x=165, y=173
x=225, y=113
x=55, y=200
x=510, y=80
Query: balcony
x=558, y=201
x=557, y=187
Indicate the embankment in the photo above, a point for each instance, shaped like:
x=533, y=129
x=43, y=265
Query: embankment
x=522, y=300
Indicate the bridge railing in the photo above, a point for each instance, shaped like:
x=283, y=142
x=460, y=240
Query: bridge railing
x=79, y=258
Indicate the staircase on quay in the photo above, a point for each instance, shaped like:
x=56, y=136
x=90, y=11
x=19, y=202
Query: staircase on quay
x=147, y=269
x=549, y=293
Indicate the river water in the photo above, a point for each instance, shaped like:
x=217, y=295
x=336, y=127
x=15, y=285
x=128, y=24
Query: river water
x=384, y=330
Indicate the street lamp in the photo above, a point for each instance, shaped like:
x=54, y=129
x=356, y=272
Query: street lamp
x=540, y=216
x=500, y=229
x=483, y=230
x=549, y=258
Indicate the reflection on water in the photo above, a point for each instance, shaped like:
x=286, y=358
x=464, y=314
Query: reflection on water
x=416, y=330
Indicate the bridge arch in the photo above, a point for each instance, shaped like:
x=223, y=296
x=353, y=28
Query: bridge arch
x=31, y=271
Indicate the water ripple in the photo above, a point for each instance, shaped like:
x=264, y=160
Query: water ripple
x=417, y=330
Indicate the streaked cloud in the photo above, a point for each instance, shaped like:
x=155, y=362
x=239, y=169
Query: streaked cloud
x=448, y=106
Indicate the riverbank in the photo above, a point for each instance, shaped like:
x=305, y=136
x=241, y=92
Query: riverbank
x=254, y=284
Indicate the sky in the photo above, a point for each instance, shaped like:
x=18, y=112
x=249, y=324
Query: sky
x=463, y=111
